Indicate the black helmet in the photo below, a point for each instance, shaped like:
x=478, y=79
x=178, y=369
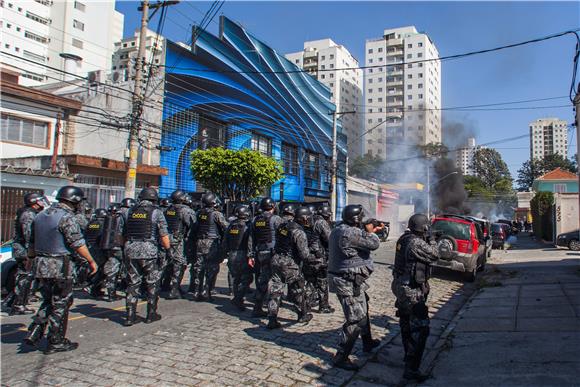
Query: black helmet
x=325, y=211
x=128, y=203
x=242, y=212
x=288, y=209
x=113, y=207
x=31, y=198
x=188, y=200
x=100, y=213
x=419, y=223
x=302, y=215
x=352, y=214
x=71, y=194
x=149, y=193
x=86, y=207
x=267, y=204
x=178, y=196
x=209, y=199
x=164, y=202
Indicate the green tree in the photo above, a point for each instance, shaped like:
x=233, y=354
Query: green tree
x=532, y=169
x=366, y=167
x=234, y=174
x=490, y=168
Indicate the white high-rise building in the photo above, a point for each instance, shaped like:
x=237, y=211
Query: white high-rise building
x=42, y=30
x=321, y=58
x=464, y=157
x=548, y=136
x=402, y=92
x=124, y=57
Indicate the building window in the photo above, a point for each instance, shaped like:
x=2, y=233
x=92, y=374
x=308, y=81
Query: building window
x=409, y=97
x=410, y=76
x=290, y=159
x=322, y=57
x=79, y=25
x=36, y=18
x=36, y=38
x=380, y=49
x=420, y=85
x=32, y=56
x=312, y=166
x=24, y=131
x=371, y=60
x=262, y=144
x=331, y=56
x=420, y=55
x=370, y=50
x=370, y=81
x=420, y=44
x=420, y=75
x=409, y=45
x=409, y=56
x=77, y=43
x=560, y=188
x=410, y=66
x=420, y=96
x=80, y=6
x=409, y=87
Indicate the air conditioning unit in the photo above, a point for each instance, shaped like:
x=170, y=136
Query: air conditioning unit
x=119, y=76
x=95, y=77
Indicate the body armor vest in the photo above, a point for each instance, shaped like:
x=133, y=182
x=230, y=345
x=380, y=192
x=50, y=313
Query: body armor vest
x=338, y=260
x=312, y=236
x=174, y=223
x=140, y=223
x=48, y=239
x=284, y=244
x=207, y=227
x=18, y=236
x=263, y=230
x=319, y=218
x=111, y=236
x=94, y=231
x=236, y=238
x=405, y=263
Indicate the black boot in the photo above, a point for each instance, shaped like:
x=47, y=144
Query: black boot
x=35, y=333
x=152, y=314
x=58, y=342
x=174, y=293
x=20, y=309
x=370, y=344
x=239, y=303
x=258, y=311
x=414, y=375
x=273, y=323
x=112, y=295
x=341, y=360
x=304, y=318
x=131, y=316
x=200, y=294
x=327, y=309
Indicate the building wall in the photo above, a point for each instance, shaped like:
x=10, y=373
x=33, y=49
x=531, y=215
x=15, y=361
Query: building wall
x=321, y=58
x=566, y=214
x=548, y=136
x=85, y=28
x=464, y=157
x=402, y=101
x=550, y=186
x=216, y=106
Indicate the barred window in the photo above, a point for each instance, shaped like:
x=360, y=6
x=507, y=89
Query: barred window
x=262, y=144
x=312, y=166
x=290, y=159
x=25, y=131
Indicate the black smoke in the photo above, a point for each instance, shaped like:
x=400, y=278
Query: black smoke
x=448, y=189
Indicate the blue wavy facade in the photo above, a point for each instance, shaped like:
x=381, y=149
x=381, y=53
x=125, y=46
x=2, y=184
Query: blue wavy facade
x=235, y=91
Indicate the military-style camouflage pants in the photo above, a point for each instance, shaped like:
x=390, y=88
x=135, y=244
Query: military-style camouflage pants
x=139, y=270
x=203, y=263
x=57, y=297
x=24, y=278
x=285, y=272
x=241, y=274
x=178, y=264
x=112, y=268
x=316, y=286
x=263, y=258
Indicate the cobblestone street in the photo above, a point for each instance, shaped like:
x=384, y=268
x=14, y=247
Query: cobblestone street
x=213, y=344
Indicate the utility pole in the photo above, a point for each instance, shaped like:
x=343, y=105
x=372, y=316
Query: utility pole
x=333, y=196
x=577, y=108
x=131, y=177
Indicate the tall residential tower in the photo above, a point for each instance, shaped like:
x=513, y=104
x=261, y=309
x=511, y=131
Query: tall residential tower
x=402, y=92
x=548, y=136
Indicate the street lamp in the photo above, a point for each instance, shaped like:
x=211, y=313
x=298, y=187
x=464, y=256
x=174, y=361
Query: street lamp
x=434, y=184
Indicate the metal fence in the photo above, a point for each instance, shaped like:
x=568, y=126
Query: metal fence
x=12, y=199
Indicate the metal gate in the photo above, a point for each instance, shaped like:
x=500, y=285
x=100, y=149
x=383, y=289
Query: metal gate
x=12, y=199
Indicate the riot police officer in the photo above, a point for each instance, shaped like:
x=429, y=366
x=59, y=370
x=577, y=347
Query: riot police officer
x=290, y=251
x=112, y=247
x=413, y=257
x=264, y=229
x=180, y=220
x=126, y=205
x=317, y=230
x=145, y=229
x=83, y=214
x=237, y=245
x=93, y=234
x=33, y=204
x=349, y=267
x=56, y=236
x=210, y=227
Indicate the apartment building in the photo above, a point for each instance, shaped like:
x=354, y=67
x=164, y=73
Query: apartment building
x=464, y=157
x=548, y=136
x=402, y=92
x=334, y=66
x=40, y=33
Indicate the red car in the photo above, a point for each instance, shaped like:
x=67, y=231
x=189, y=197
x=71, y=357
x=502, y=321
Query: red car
x=459, y=245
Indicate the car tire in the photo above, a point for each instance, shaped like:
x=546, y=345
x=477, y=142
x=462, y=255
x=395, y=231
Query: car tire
x=574, y=245
x=446, y=245
x=470, y=276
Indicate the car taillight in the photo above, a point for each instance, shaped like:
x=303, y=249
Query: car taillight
x=470, y=246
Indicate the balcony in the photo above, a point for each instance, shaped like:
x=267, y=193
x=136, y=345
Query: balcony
x=395, y=82
x=394, y=42
x=395, y=53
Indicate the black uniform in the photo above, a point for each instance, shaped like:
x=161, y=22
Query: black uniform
x=349, y=267
x=112, y=247
x=237, y=245
x=209, y=229
x=316, y=271
x=180, y=220
x=93, y=234
x=263, y=232
x=290, y=251
x=411, y=287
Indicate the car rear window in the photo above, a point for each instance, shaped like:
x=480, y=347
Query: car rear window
x=496, y=227
x=455, y=229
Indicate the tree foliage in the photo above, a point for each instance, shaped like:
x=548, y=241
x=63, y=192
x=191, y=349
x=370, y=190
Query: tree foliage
x=366, y=167
x=540, y=206
x=234, y=174
x=532, y=169
x=433, y=150
x=490, y=168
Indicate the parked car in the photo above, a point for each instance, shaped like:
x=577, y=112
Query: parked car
x=570, y=240
x=483, y=227
x=512, y=226
x=459, y=245
x=499, y=235
x=7, y=268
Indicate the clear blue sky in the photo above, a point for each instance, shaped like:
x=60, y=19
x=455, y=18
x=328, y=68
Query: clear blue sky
x=535, y=71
